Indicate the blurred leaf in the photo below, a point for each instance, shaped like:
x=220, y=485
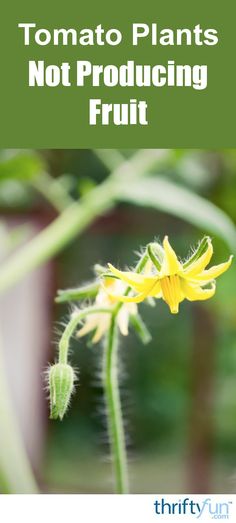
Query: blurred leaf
x=14, y=193
x=193, y=171
x=85, y=185
x=22, y=166
x=67, y=181
x=169, y=197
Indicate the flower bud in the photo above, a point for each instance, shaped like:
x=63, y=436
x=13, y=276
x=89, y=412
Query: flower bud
x=61, y=385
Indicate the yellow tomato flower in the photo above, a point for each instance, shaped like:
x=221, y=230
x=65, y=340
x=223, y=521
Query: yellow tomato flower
x=173, y=281
x=100, y=321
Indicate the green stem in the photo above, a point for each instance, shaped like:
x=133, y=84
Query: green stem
x=71, y=326
x=112, y=397
x=114, y=414
x=15, y=469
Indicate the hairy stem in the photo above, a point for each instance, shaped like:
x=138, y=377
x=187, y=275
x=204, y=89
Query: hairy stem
x=114, y=414
x=112, y=397
x=16, y=476
x=71, y=326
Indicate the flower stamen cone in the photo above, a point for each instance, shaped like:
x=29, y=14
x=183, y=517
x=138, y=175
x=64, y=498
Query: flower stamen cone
x=171, y=279
x=171, y=292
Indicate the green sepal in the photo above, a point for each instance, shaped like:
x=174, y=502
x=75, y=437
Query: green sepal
x=152, y=253
x=200, y=250
x=79, y=293
x=140, y=328
x=110, y=275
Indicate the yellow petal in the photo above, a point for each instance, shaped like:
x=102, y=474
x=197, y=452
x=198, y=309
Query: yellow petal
x=152, y=287
x=213, y=272
x=171, y=264
x=131, y=278
x=131, y=299
x=200, y=264
x=196, y=293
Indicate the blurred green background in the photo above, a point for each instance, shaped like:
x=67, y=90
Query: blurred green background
x=178, y=392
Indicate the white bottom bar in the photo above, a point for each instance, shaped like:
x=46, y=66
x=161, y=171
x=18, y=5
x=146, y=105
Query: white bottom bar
x=117, y=509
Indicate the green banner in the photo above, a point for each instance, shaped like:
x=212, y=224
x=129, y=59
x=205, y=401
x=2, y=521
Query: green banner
x=126, y=74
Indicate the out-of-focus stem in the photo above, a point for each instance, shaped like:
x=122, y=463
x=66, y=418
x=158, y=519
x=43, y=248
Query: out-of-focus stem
x=73, y=220
x=53, y=191
x=56, y=236
x=15, y=470
x=140, y=163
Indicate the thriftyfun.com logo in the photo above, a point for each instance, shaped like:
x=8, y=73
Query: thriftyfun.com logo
x=188, y=507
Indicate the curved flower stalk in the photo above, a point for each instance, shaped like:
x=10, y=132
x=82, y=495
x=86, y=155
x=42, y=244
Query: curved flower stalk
x=171, y=279
x=61, y=377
